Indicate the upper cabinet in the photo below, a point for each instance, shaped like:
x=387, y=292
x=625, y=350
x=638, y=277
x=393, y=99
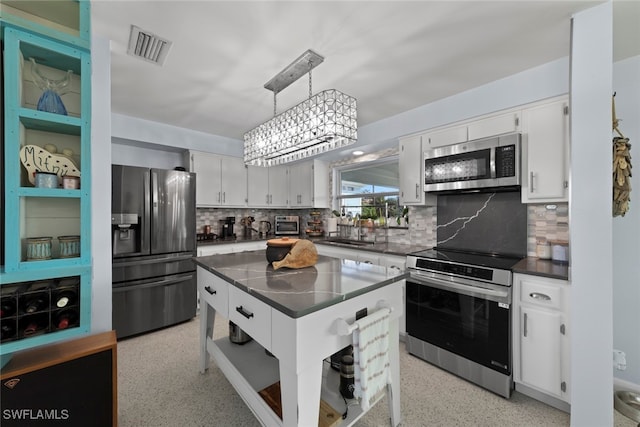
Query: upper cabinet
x=411, y=166
x=309, y=184
x=471, y=130
x=545, y=162
x=220, y=180
x=268, y=186
x=45, y=270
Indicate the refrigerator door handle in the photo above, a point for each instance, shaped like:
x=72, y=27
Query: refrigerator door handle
x=152, y=261
x=154, y=208
x=170, y=280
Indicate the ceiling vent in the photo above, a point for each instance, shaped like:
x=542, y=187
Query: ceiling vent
x=146, y=45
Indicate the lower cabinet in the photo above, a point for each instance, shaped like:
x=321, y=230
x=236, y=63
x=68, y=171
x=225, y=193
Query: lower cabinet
x=541, y=339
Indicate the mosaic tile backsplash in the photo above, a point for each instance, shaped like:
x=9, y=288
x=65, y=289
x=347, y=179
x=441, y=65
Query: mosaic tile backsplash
x=550, y=222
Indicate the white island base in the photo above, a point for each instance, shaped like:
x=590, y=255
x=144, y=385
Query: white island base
x=300, y=346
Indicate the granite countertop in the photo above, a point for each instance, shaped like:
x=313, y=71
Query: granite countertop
x=542, y=267
x=298, y=292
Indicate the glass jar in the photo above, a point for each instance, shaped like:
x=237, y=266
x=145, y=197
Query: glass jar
x=543, y=249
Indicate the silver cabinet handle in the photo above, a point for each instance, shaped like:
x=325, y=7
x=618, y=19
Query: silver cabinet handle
x=531, y=189
x=209, y=290
x=539, y=296
x=417, y=192
x=525, y=324
x=266, y=199
x=218, y=197
x=224, y=197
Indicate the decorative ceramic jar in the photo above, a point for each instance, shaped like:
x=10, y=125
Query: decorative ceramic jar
x=69, y=246
x=70, y=182
x=46, y=180
x=38, y=248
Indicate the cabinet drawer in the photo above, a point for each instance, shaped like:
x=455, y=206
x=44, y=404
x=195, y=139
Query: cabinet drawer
x=213, y=291
x=542, y=294
x=251, y=315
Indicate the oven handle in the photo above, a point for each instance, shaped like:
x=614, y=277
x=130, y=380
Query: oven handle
x=473, y=291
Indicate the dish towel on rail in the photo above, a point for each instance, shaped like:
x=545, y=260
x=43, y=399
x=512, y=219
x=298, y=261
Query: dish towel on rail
x=371, y=356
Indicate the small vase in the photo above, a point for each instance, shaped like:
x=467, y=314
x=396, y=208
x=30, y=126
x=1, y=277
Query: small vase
x=50, y=100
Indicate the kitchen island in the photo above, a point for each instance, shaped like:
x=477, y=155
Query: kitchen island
x=292, y=316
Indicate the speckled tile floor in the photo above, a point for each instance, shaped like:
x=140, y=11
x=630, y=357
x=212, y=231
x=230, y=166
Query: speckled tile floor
x=159, y=385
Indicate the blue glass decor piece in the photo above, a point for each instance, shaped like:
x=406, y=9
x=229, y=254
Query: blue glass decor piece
x=50, y=100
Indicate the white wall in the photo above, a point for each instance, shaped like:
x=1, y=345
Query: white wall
x=122, y=153
x=101, y=184
x=145, y=131
x=591, y=324
x=626, y=230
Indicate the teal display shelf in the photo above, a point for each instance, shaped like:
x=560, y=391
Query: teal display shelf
x=68, y=21
x=57, y=35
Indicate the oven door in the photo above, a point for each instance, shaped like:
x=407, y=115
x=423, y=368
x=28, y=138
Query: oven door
x=472, y=320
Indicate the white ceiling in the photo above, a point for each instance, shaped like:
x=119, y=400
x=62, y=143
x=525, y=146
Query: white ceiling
x=392, y=56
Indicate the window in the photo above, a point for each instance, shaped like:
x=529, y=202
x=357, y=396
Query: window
x=369, y=190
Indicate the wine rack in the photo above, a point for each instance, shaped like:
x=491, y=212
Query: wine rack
x=39, y=307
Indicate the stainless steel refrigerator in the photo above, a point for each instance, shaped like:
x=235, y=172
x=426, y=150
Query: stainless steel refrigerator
x=153, y=240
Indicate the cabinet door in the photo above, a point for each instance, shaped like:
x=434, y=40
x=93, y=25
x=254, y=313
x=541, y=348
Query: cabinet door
x=257, y=186
x=411, y=166
x=234, y=181
x=547, y=131
x=278, y=187
x=443, y=137
x=541, y=349
x=208, y=178
x=496, y=125
x=301, y=185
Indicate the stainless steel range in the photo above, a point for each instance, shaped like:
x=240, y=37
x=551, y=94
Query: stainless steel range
x=458, y=312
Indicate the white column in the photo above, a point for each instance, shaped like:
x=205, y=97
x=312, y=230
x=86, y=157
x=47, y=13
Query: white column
x=591, y=218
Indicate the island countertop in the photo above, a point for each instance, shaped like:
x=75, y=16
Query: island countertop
x=298, y=292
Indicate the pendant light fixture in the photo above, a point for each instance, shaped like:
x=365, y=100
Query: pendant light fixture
x=323, y=122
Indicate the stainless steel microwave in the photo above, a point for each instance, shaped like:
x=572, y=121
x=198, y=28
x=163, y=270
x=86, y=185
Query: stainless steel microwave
x=481, y=164
x=287, y=225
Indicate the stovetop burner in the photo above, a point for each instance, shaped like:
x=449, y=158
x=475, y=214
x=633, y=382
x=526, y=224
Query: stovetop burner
x=503, y=262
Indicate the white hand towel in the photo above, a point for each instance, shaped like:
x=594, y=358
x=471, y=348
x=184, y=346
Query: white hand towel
x=371, y=356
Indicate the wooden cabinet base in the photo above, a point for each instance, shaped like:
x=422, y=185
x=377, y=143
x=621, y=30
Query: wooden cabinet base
x=72, y=383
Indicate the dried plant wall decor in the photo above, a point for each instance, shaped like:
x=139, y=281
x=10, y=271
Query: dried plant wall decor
x=621, y=168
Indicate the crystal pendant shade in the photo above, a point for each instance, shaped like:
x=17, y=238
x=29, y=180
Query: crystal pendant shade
x=324, y=122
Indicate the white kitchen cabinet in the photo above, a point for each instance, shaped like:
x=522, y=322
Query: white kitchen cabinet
x=309, y=184
x=206, y=250
x=220, y=180
x=494, y=125
x=411, y=166
x=545, y=165
x=448, y=136
x=267, y=186
x=541, y=339
x=469, y=130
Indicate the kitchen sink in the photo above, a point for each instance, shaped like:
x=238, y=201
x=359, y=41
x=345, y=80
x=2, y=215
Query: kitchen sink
x=351, y=242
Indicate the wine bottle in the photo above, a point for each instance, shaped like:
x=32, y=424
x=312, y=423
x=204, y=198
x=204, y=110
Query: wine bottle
x=35, y=303
x=65, y=319
x=31, y=328
x=65, y=297
x=7, y=330
x=7, y=307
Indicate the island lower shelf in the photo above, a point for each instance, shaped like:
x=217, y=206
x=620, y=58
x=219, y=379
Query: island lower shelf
x=249, y=369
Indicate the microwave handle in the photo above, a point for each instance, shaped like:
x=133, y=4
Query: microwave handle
x=492, y=162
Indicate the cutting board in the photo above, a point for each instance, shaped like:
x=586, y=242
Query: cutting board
x=328, y=417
